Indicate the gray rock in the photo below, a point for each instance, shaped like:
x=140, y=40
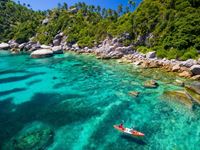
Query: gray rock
x=188, y=63
x=28, y=46
x=14, y=45
x=195, y=69
x=45, y=21
x=56, y=42
x=4, y=46
x=151, y=54
x=57, y=50
x=45, y=47
x=34, y=47
x=41, y=53
x=21, y=46
x=59, y=36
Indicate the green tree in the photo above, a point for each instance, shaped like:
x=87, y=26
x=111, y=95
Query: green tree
x=120, y=9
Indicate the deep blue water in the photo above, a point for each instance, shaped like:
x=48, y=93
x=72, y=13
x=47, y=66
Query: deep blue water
x=74, y=101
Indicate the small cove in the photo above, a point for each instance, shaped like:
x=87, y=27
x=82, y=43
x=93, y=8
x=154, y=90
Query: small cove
x=80, y=98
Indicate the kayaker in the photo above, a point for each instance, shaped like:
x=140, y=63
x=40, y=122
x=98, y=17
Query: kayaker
x=121, y=126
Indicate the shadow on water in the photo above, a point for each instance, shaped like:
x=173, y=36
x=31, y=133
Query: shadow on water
x=7, y=92
x=12, y=71
x=33, y=82
x=45, y=107
x=19, y=78
x=129, y=138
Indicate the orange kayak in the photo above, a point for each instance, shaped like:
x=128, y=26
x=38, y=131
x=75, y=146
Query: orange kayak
x=128, y=131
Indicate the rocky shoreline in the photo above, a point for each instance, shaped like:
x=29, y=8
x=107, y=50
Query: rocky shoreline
x=108, y=49
x=112, y=49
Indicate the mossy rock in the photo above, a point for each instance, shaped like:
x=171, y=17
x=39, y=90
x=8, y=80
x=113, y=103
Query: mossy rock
x=179, y=96
x=134, y=93
x=194, y=95
x=35, y=136
x=151, y=84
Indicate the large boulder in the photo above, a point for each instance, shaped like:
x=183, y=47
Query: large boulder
x=4, y=46
x=151, y=54
x=57, y=50
x=195, y=69
x=45, y=47
x=41, y=53
x=188, y=63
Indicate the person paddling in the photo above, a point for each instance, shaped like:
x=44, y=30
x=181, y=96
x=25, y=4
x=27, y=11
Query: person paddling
x=121, y=126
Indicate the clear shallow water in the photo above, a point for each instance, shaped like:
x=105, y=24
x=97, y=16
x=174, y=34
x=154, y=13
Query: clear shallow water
x=80, y=98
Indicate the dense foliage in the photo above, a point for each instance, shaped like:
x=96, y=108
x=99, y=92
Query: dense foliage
x=17, y=21
x=170, y=27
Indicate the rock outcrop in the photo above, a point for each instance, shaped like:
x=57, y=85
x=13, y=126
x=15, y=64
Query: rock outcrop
x=41, y=53
x=151, y=54
x=4, y=46
x=195, y=69
x=57, y=50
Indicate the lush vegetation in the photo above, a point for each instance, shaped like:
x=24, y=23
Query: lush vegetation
x=170, y=27
x=17, y=21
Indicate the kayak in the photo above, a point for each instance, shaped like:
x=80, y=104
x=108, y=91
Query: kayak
x=128, y=131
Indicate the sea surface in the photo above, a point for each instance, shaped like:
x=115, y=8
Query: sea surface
x=71, y=102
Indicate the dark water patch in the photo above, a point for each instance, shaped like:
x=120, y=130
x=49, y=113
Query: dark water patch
x=33, y=82
x=44, y=107
x=15, y=90
x=6, y=106
x=59, y=85
x=12, y=71
x=19, y=78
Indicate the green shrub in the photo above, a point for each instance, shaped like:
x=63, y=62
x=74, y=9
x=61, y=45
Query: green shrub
x=174, y=53
x=189, y=53
x=144, y=49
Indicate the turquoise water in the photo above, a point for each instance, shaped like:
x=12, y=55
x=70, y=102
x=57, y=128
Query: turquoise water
x=71, y=102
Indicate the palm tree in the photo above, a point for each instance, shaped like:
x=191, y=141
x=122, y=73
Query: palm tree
x=98, y=9
x=65, y=6
x=120, y=9
x=103, y=13
x=127, y=9
x=132, y=4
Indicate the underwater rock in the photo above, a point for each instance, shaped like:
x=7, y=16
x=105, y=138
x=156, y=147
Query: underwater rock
x=151, y=84
x=34, y=136
x=193, y=93
x=134, y=93
x=180, y=96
